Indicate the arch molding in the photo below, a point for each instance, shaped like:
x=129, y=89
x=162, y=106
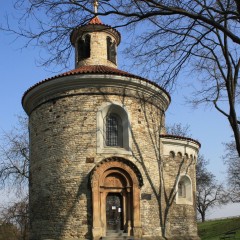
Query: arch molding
x=116, y=176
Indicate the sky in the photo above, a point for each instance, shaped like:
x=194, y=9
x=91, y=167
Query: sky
x=19, y=71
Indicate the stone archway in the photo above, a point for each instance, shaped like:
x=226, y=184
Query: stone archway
x=120, y=178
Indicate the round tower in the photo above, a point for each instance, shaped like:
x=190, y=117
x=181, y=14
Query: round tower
x=95, y=44
x=100, y=162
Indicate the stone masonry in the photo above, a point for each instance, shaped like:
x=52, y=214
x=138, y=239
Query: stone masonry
x=71, y=173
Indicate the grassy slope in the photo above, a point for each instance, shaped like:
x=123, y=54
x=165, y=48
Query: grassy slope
x=212, y=230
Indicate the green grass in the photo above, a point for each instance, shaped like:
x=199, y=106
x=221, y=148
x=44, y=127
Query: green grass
x=213, y=230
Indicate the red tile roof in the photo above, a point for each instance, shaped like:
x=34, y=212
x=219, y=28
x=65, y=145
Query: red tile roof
x=95, y=20
x=98, y=69
x=180, y=138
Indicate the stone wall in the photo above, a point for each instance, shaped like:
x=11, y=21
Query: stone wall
x=63, y=133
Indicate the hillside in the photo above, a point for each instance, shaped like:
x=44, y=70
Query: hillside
x=213, y=230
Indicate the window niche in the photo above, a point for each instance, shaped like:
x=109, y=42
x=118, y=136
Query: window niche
x=113, y=130
x=184, y=191
x=181, y=189
x=111, y=50
x=84, y=47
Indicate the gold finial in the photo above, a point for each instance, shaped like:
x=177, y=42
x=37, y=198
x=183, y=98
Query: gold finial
x=95, y=4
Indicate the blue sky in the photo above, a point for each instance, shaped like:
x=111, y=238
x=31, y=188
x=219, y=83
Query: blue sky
x=19, y=72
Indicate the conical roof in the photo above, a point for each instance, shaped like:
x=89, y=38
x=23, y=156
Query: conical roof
x=95, y=20
x=95, y=24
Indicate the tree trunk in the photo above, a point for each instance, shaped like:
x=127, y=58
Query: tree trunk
x=232, y=118
x=203, y=216
x=235, y=127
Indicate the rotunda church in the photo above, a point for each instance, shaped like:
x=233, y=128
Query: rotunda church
x=101, y=163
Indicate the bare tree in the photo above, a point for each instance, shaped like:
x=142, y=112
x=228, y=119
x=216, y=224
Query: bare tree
x=14, y=157
x=164, y=193
x=14, y=173
x=209, y=192
x=198, y=36
x=232, y=161
x=17, y=215
x=179, y=130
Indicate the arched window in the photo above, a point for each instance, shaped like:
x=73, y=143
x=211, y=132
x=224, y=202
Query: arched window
x=84, y=47
x=111, y=50
x=184, y=190
x=181, y=189
x=113, y=130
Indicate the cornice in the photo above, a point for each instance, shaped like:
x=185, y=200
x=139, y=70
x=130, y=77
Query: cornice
x=179, y=140
x=47, y=89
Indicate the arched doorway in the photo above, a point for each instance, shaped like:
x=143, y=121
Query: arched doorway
x=116, y=186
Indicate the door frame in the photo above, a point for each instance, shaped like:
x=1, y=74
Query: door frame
x=132, y=179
